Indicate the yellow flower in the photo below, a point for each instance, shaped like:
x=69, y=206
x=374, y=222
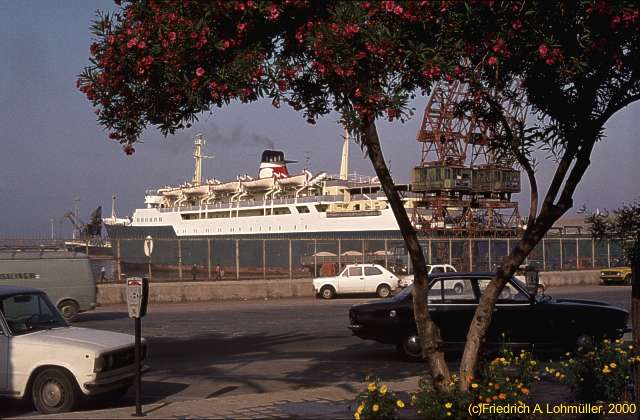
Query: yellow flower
x=567, y=354
x=383, y=389
x=605, y=369
x=372, y=387
x=360, y=408
x=558, y=374
x=532, y=362
x=448, y=413
x=375, y=408
x=613, y=365
x=400, y=404
x=356, y=415
x=474, y=385
x=448, y=405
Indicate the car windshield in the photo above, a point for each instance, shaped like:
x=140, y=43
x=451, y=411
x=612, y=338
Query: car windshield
x=515, y=293
x=30, y=312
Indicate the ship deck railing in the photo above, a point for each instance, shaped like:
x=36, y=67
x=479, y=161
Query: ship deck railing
x=258, y=203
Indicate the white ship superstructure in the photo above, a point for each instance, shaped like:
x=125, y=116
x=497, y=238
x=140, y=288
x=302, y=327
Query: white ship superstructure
x=274, y=202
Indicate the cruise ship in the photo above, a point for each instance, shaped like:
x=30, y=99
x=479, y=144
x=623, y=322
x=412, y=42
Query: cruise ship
x=273, y=204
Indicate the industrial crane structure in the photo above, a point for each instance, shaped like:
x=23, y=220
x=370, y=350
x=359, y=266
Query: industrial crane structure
x=465, y=184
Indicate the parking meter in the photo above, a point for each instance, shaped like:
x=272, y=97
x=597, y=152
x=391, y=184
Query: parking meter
x=532, y=279
x=137, y=296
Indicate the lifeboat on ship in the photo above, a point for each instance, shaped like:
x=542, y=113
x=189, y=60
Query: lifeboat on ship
x=196, y=190
x=295, y=181
x=260, y=184
x=170, y=192
x=226, y=187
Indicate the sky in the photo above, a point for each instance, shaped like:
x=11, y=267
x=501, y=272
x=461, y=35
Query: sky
x=54, y=156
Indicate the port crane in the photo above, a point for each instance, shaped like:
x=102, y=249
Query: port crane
x=82, y=230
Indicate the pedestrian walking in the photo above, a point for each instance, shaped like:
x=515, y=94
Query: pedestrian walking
x=194, y=271
x=217, y=270
x=103, y=273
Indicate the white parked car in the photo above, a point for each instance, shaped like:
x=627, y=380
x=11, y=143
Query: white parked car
x=431, y=269
x=357, y=278
x=52, y=363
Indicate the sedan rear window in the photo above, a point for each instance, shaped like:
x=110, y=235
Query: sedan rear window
x=372, y=271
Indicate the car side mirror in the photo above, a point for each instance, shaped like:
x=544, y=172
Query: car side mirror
x=532, y=279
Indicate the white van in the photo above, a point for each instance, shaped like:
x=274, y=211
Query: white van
x=65, y=276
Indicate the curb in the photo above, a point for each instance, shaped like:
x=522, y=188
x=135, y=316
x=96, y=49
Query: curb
x=324, y=402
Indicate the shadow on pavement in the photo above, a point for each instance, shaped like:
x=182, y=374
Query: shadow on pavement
x=99, y=316
x=152, y=392
x=260, y=361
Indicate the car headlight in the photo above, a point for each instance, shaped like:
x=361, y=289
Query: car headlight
x=103, y=363
x=99, y=364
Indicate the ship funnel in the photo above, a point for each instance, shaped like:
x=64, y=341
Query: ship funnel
x=273, y=164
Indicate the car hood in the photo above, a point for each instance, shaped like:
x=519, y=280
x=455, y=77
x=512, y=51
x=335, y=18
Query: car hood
x=375, y=305
x=591, y=303
x=91, y=340
x=583, y=302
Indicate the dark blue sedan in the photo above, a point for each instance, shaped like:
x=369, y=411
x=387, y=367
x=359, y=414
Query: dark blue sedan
x=523, y=319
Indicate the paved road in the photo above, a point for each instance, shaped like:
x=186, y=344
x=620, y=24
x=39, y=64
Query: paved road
x=202, y=350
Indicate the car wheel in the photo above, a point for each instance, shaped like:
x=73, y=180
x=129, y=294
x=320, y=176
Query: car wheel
x=627, y=280
x=383, y=291
x=54, y=391
x=68, y=309
x=327, y=292
x=410, y=348
x=458, y=289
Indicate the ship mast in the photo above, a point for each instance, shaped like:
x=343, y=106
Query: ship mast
x=197, y=155
x=113, y=207
x=344, y=163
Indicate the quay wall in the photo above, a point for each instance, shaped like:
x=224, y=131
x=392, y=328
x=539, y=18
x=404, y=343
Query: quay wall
x=176, y=291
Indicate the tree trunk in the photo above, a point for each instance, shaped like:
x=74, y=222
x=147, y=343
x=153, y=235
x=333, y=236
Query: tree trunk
x=635, y=312
x=484, y=312
x=427, y=330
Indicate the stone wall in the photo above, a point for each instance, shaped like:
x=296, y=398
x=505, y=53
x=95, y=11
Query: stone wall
x=110, y=294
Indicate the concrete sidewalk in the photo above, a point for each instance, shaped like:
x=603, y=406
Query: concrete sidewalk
x=336, y=402
x=330, y=402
